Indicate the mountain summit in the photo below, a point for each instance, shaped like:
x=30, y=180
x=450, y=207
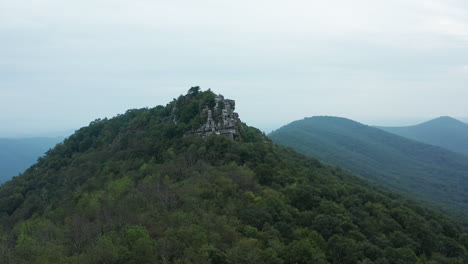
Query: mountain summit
x=445, y=132
x=220, y=119
x=190, y=183
x=445, y=120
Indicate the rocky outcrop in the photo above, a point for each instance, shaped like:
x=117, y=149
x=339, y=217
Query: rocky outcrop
x=221, y=120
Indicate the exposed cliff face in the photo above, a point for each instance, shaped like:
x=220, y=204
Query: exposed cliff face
x=221, y=119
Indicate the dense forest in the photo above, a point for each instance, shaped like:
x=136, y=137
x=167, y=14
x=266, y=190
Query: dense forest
x=444, y=131
x=435, y=176
x=138, y=188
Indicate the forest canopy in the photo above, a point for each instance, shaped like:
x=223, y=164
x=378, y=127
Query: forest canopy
x=137, y=189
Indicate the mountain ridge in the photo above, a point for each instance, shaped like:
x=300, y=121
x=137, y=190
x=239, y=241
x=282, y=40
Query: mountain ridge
x=444, y=131
x=403, y=164
x=138, y=189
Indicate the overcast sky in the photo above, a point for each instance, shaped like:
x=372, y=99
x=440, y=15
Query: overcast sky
x=66, y=63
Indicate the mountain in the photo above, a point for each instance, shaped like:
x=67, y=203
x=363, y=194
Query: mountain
x=424, y=171
x=190, y=183
x=18, y=154
x=445, y=132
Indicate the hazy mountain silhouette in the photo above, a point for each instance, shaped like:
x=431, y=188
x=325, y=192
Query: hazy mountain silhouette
x=18, y=154
x=446, y=132
x=421, y=170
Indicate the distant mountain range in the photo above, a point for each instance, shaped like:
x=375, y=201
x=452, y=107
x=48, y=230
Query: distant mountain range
x=18, y=154
x=445, y=132
x=421, y=170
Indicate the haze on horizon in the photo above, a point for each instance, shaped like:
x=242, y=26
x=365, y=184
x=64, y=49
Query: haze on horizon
x=64, y=64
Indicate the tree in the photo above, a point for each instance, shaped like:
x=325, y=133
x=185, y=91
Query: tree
x=342, y=250
x=194, y=90
x=303, y=251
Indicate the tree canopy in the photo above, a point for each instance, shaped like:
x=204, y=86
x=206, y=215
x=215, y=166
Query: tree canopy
x=136, y=189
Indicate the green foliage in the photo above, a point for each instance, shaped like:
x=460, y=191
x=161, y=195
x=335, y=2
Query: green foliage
x=433, y=175
x=132, y=245
x=134, y=189
x=304, y=251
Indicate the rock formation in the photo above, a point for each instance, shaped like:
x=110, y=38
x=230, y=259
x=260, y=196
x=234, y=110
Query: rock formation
x=221, y=120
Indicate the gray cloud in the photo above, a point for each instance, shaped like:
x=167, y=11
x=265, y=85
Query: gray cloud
x=66, y=63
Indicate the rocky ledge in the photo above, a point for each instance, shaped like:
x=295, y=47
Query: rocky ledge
x=221, y=120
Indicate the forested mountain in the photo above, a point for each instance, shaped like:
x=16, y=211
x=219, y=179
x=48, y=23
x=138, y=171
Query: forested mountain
x=445, y=132
x=423, y=171
x=18, y=154
x=190, y=183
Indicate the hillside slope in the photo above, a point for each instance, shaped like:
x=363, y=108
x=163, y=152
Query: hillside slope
x=445, y=132
x=423, y=171
x=18, y=154
x=190, y=183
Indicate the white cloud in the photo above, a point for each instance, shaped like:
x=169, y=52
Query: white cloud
x=450, y=27
x=352, y=53
x=464, y=69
